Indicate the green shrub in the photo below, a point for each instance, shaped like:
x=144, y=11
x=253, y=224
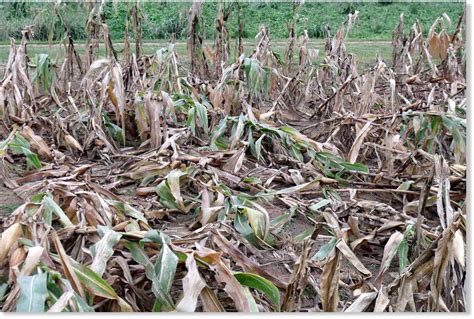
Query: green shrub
x=376, y=19
x=316, y=31
x=40, y=15
x=170, y=26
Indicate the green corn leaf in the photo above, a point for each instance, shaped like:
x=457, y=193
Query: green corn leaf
x=3, y=290
x=252, y=180
x=280, y=221
x=103, y=249
x=81, y=304
x=127, y=210
x=33, y=292
x=319, y=205
x=173, y=180
x=217, y=140
x=165, y=269
x=304, y=234
x=459, y=137
x=51, y=206
x=139, y=255
x=192, y=119
x=291, y=190
x=356, y=167
x=21, y=146
x=405, y=185
x=325, y=250
x=404, y=247
x=114, y=130
x=237, y=132
x=32, y=158
x=259, y=221
x=258, y=147
x=44, y=74
x=202, y=116
x=257, y=282
x=165, y=196
x=241, y=224
x=92, y=282
x=403, y=255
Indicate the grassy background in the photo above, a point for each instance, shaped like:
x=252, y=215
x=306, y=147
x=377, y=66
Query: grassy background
x=365, y=53
x=376, y=20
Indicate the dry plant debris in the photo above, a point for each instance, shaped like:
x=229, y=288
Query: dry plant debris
x=246, y=184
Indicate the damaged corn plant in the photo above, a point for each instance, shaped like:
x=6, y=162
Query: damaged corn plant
x=235, y=182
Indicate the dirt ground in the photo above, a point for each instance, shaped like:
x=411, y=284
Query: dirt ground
x=8, y=201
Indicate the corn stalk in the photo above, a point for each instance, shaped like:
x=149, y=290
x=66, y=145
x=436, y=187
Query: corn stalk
x=289, y=54
x=240, y=31
x=16, y=103
x=222, y=45
x=195, y=42
x=137, y=28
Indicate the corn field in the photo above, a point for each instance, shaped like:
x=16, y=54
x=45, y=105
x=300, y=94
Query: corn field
x=226, y=182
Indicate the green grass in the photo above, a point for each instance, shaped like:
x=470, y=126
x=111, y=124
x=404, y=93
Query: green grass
x=364, y=51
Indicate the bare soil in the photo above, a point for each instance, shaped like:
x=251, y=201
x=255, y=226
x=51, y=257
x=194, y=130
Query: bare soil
x=9, y=201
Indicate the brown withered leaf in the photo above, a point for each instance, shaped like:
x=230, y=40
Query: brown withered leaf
x=9, y=238
x=67, y=267
x=193, y=284
x=224, y=275
x=37, y=143
x=330, y=282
